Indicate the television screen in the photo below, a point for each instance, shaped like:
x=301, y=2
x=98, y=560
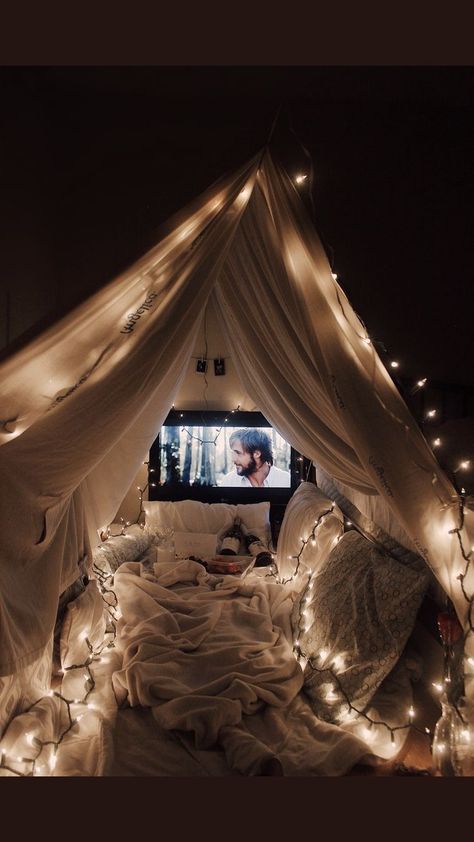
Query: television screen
x=217, y=456
x=228, y=456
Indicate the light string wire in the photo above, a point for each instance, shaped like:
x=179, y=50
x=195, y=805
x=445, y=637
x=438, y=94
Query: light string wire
x=300, y=654
x=459, y=499
x=103, y=582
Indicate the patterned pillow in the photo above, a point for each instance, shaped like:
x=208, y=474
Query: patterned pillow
x=359, y=612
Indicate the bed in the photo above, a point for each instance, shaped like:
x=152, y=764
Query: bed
x=211, y=672
x=301, y=668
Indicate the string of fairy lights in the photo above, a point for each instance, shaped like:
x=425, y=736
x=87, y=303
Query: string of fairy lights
x=335, y=697
x=75, y=707
x=33, y=762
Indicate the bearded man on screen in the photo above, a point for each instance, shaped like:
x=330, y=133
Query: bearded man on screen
x=253, y=462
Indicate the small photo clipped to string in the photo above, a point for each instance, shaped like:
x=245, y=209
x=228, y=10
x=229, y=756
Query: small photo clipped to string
x=219, y=367
x=201, y=366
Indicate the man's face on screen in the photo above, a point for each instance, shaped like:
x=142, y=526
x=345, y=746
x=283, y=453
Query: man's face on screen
x=245, y=463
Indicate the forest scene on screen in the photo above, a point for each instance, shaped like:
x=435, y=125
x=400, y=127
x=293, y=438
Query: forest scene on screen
x=204, y=456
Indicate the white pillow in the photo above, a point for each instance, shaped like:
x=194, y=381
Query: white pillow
x=215, y=518
x=304, y=508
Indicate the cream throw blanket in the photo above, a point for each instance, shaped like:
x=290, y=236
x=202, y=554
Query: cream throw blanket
x=204, y=650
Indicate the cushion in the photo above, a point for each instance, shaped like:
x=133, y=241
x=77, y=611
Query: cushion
x=361, y=610
x=215, y=518
x=304, y=508
x=109, y=555
x=200, y=544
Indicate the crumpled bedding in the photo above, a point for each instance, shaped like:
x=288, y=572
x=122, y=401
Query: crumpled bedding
x=211, y=656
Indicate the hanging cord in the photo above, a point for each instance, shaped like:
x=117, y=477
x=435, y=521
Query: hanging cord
x=270, y=134
x=205, y=358
x=327, y=245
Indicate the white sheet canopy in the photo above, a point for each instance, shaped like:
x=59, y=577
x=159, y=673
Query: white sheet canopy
x=83, y=402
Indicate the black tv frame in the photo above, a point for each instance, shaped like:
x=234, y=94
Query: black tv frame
x=299, y=466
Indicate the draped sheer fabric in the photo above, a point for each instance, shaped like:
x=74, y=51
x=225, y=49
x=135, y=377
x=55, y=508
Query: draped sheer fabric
x=82, y=404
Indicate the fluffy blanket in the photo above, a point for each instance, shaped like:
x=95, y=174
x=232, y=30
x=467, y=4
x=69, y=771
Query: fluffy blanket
x=204, y=650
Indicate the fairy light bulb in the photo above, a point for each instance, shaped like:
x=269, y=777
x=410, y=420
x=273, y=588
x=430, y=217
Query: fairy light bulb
x=338, y=662
x=368, y=735
x=431, y=413
x=300, y=178
x=334, y=275
x=411, y=712
x=331, y=695
x=437, y=443
x=323, y=654
x=394, y=364
x=465, y=464
x=421, y=383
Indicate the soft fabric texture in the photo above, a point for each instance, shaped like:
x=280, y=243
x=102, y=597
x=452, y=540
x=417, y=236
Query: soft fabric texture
x=306, y=506
x=370, y=514
x=81, y=404
x=118, y=549
x=361, y=610
x=215, y=518
x=85, y=617
x=212, y=657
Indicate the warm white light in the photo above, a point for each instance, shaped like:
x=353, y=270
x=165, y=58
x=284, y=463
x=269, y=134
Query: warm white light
x=313, y=542
x=411, y=712
x=367, y=340
x=368, y=735
x=421, y=383
x=334, y=275
x=348, y=523
x=438, y=687
x=338, y=662
x=394, y=364
x=431, y=413
x=300, y=178
x=465, y=465
x=436, y=442
x=331, y=696
x=323, y=654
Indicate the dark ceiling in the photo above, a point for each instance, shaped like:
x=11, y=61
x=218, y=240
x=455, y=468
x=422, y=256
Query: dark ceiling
x=95, y=159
